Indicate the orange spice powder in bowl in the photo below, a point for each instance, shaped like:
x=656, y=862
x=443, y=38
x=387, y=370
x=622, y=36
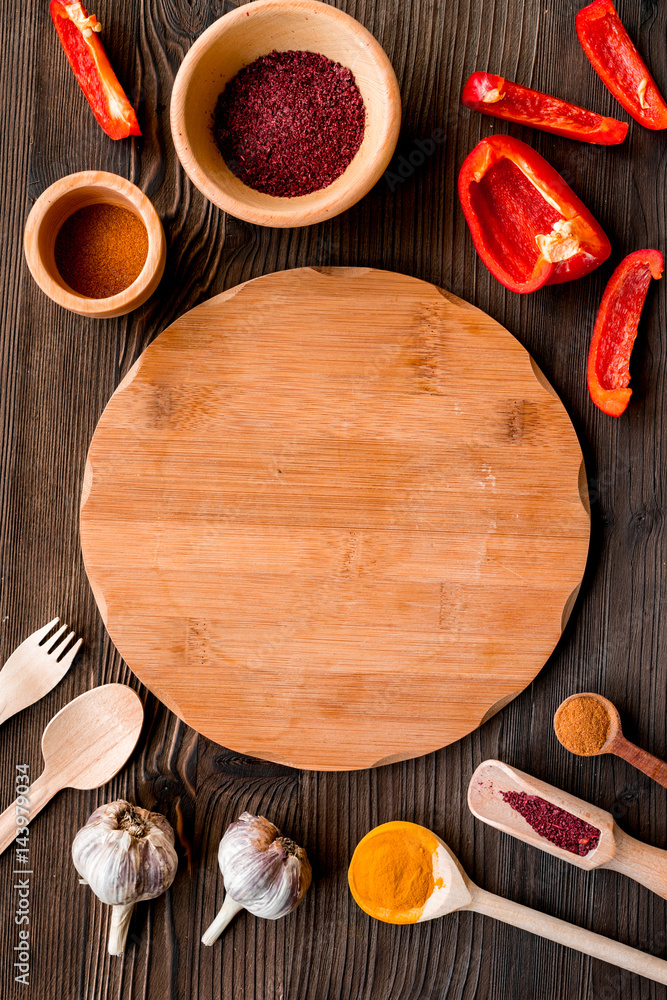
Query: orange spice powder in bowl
x=110, y=218
x=100, y=250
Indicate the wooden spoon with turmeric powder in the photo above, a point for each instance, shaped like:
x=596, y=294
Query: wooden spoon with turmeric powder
x=589, y=724
x=402, y=873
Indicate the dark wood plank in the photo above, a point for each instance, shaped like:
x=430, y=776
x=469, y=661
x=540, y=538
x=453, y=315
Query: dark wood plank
x=58, y=371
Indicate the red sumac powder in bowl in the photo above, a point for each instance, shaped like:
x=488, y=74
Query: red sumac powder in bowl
x=290, y=123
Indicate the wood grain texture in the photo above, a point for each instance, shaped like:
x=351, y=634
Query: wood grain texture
x=58, y=371
x=641, y=759
x=314, y=526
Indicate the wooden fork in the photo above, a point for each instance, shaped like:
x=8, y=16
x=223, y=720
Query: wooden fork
x=34, y=669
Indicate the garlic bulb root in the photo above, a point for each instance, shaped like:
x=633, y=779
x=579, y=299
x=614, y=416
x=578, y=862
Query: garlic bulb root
x=263, y=872
x=125, y=854
x=225, y=915
x=121, y=914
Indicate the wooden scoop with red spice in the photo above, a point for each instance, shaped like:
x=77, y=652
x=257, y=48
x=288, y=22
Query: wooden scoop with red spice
x=562, y=825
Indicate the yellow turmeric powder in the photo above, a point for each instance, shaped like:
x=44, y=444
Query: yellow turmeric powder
x=391, y=872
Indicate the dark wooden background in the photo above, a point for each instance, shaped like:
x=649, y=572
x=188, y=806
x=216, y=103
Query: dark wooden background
x=59, y=370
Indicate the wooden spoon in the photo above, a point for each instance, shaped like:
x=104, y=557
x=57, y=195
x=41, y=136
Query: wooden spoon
x=616, y=742
x=454, y=891
x=615, y=850
x=84, y=746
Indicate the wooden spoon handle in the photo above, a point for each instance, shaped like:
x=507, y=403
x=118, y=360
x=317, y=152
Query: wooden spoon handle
x=6, y=710
x=20, y=813
x=641, y=759
x=571, y=936
x=642, y=862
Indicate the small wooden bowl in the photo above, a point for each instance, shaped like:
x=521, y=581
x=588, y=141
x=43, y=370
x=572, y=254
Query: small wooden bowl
x=241, y=37
x=56, y=204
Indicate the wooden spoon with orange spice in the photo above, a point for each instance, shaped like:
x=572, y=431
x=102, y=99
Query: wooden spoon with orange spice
x=589, y=724
x=402, y=873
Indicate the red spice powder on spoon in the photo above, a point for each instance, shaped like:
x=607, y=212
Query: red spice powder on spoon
x=290, y=123
x=557, y=825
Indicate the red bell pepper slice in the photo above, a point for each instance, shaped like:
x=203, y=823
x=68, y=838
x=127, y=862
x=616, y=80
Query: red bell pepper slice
x=608, y=370
x=528, y=226
x=78, y=34
x=494, y=95
x=616, y=61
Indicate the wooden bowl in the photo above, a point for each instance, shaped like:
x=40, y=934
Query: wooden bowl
x=56, y=204
x=237, y=39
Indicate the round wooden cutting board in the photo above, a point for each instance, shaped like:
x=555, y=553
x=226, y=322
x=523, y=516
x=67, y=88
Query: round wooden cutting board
x=332, y=518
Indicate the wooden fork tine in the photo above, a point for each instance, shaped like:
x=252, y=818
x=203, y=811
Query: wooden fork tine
x=42, y=632
x=71, y=653
x=56, y=650
x=52, y=642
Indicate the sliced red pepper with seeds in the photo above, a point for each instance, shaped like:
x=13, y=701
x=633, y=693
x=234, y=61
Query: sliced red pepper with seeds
x=78, y=34
x=494, y=95
x=608, y=371
x=527, y=224
x=616, y=61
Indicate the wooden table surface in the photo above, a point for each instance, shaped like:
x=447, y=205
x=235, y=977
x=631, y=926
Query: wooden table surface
x=58, y=371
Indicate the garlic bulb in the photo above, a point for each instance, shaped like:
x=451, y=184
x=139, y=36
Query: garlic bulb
x=125, y=854
x=264, y=872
